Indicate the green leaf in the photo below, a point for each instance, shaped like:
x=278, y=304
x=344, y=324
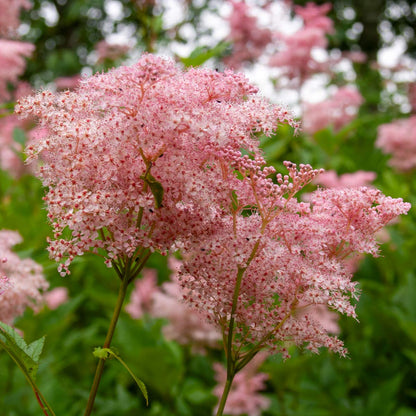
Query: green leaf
x=155, y=187
x=105, y=353
x=25, y=356
x=101, y=353
x=157, y=191
x=34, y=349
x=201, y=54
x=234, y=201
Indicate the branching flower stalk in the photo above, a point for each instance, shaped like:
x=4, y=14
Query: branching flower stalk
x=128, y=274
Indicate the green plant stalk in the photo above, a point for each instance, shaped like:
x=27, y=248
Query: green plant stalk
x=100, y=366
x=224, y=396
x=39, y=396
x=231, y=360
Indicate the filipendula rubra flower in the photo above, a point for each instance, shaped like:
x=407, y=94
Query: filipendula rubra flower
x=130, y=157
x=273, y=257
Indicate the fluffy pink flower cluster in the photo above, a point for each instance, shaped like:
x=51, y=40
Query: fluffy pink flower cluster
x=26, y=280
x=10, y=15
x=248, y=39
x=135, y=157
x=398, y=138
x=184, y=326
x=336, y=111
x=276, y=256
x=296, y=58
x=244, y=397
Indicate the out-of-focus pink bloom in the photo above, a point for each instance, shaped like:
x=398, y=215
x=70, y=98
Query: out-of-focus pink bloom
x=11, y=152
x=398, y=138
x=249, y=40
x=244, y=397
x=10, y=15
x=56, y=297
x=296, y=56
x=315, y=16
x=186, y=326
x=145, y=3
x=22, y=89
x=67, y=83
x=355, y=56
x=330, y=179
x=110, y=51
x=326, y=318
x=26, y=280
x=12, y=63
x=141, y=299
x=336, y=111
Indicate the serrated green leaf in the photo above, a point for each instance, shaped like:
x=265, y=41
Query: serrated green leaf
x=35, y=349
x=25, y=356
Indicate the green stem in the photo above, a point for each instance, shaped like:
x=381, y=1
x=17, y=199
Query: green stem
x=41, y=404
x=44, y=405
x=229, y=350
x=109, y=337
x=232, y=359
x=224, y=396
